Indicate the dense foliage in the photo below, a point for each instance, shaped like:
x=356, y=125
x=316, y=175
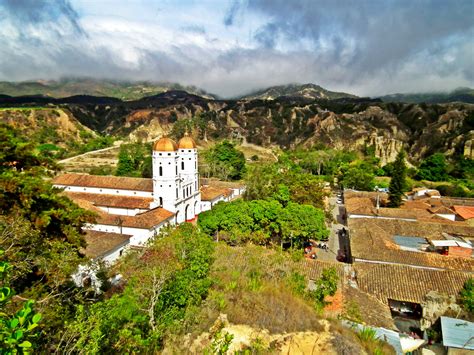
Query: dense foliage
x=164, y=284
x=134, y=160
x=18, y=328
x=225, y=161
x=40, y=230
x=433, y=168
x=467, y=295
x=264, y=222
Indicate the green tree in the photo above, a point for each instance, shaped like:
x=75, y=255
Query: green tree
x=325, y=286
x=17, y=329
x=225, y=161
x=358, y=176
x=433, y=168
x=164, y=285
x=133, y=160
x=398, y=182
x=467, y=295
x=40, y=231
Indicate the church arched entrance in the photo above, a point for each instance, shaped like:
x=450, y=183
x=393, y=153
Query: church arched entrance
x=196, y=211
x=187, y=213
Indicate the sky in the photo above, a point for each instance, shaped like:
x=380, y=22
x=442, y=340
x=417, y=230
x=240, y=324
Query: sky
x=232, y=47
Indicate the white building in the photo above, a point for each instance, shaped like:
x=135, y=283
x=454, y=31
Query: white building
x=137, y=208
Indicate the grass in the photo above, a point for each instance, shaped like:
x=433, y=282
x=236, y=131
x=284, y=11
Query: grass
x=265, y=289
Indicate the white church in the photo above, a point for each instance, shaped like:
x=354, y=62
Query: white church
x=130, y=211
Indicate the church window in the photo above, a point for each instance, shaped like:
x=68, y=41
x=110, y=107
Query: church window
x=169, y=154
x=160, y=154
x=161, y=201
x=161, y=171
x=182, y=165
x=189, y=151
x=176, y=192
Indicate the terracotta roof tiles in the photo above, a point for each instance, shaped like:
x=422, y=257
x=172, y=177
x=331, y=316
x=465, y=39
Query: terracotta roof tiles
x=112, y=200
x=404, y=283
x=210, y=193
x=108, y=182
x=101, y=243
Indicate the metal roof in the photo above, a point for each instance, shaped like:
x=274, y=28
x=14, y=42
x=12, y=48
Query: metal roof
x=457, y=333
x=450, y=243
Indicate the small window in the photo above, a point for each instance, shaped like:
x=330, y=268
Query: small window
x=160, y=171
x=169, y=154
x=85, y=189
x=100, y=190
x=189, y=158
x=160, y=154
x=118, y=191
x=189, y=151
x=134, y=192
x=182, y=165
x=176, y=192
x=121, y=252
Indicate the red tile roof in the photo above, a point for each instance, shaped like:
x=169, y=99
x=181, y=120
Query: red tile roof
x=466, y=212
x=210, y=193
x=100, y=243
x=111, y=200
x=107, y=182
x=145, y=220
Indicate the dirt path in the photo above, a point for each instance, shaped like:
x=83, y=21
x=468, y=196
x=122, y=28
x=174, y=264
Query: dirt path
x=116, y=144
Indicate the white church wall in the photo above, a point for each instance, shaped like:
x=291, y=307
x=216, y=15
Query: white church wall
x=205, y=206
x=122, y=211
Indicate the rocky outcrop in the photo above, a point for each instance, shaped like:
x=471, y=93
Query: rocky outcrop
x=436, y=305
x=288, y=122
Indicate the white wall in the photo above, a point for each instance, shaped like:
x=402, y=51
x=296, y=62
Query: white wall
x=451, y=217
x=105, y=191
x=205, y=206
x=140, y=236
x=122, y=211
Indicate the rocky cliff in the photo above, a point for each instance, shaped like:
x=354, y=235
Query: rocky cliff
x=287, y=122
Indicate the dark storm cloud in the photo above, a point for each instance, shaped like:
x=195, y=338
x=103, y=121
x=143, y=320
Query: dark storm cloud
x=375, y=33
x=229, y=17
x=27, y=12
x=365, y=47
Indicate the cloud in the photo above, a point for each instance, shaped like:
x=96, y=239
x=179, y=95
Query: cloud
x=367, y=48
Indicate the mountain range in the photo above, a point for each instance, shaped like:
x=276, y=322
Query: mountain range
x=287, y=121
x=136, y=90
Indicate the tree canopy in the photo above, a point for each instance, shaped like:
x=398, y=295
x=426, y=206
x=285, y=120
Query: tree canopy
x=264, y=222
x=433, y=168
x=225, y=161
x=398, y=182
